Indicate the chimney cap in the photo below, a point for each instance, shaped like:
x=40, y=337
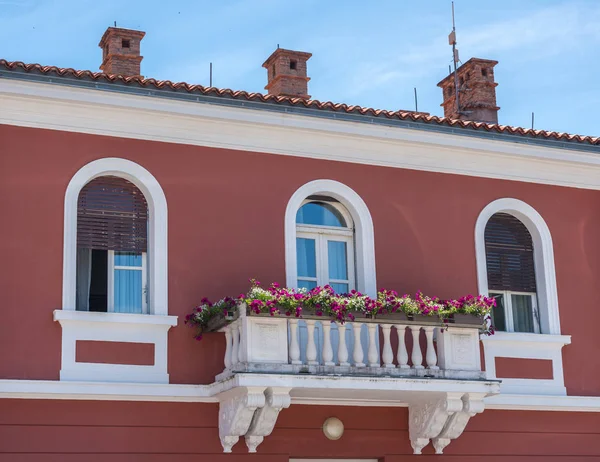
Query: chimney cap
x=469, y=63
x=282, y=51
x=121, y=32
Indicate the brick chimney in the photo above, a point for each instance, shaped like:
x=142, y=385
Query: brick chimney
x=121, y=51
x=476, y=92
x=286, y=73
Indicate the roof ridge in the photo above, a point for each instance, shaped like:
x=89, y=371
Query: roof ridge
x=308, y=103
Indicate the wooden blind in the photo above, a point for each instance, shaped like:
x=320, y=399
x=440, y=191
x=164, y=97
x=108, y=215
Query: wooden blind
x=509, y=254
x=112, y=214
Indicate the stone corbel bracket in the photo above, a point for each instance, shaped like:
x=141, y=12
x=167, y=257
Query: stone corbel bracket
x=263, y=422
x=441, y=419
x=250, y=411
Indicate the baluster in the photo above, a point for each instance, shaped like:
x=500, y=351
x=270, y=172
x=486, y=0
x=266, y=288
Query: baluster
x=417, y=356
x=327, y=350
x=372, y=353
x=241, y=356
x=430, y=355
x=311, y=348
x=402, y=353
x=342, y=349
x=294, y=346
x=387, y=354
x=227, y=347
x=235, y=334
x=358, y=351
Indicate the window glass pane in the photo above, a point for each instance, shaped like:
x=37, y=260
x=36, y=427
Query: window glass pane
x=338, y=264
x=498, y=315
x=307, y=284
x=339, y=288
x=319, y=213
x=306, y=256
x=128, y=259
x=522, y=311
x=128, y=291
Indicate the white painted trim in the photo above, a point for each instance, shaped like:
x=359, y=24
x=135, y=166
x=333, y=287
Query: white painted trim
x=113, y=327
x=57, y=107
x=543, y=254
x=366, y=280
x=105, y=391
x=50, y=389
x=157, y=228
x=543, y=403
x=526, y=346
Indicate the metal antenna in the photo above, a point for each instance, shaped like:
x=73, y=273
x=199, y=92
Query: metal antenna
x=210, y=75
x=278, y=46
x=416, y=101
x=532, y=119
x=115, y=23
x=452, y=41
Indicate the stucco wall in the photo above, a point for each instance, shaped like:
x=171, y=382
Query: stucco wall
x=226, y=212
x=40, y=430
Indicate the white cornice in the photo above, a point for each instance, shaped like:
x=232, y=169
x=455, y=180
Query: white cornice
x=107, y=113
x=301, y=394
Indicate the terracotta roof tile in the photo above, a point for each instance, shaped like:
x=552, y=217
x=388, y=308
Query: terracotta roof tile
x=285, y=100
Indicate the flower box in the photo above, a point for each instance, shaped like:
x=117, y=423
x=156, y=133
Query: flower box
x=220, y=320
x=390, y=318
x=466, y=319
x=282, y=314
x=425, y=319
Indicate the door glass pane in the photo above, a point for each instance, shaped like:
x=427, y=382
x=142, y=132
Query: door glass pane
x=319, y=213
x=307, y=261
x=338, y=264
x=339, y=287
x=306, y=284
x=128, y=259
x=498, y=315
x=522, y=311
x=128, y=291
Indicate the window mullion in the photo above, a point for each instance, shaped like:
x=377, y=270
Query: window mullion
x=324, y=261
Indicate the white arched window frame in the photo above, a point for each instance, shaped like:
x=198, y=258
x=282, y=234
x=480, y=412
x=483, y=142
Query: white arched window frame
x=82, y=326
x=157, y=228
x=364, y=249
x=545, y=346
x=543, y=257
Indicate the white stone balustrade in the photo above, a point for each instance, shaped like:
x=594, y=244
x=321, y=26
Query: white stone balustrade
x=291, y=345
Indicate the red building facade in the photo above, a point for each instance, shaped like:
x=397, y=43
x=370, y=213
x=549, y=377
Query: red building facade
x=223, y=175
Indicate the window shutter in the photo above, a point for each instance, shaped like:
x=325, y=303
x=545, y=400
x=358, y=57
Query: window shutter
x=112, y=214
x=509, y=254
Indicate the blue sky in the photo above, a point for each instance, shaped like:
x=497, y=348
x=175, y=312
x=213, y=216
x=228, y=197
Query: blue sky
x=371, y=53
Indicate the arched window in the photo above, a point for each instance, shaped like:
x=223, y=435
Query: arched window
x=325, y=245
x=515, y=262
x=112, y=246
x=329, y=239
x=511, y=274
x=115, y=205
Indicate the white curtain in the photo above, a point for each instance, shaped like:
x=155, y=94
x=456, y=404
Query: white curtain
x=84, y=277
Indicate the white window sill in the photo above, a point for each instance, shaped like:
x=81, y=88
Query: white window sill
x=114, y=327
x=526, y=346
x=117, y=318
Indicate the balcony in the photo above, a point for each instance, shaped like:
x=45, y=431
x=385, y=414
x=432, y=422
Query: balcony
x=269, y=361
